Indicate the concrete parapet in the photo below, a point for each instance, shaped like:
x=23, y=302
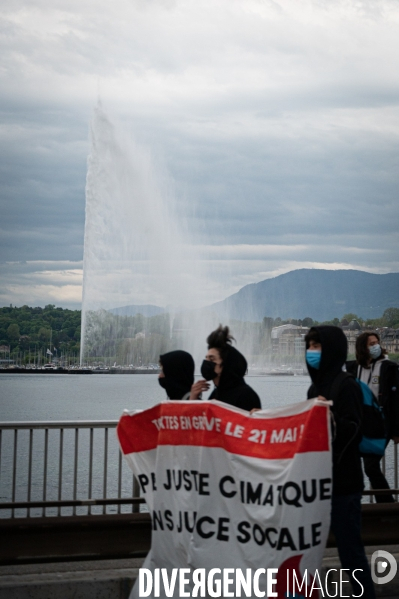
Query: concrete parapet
x=106, y=579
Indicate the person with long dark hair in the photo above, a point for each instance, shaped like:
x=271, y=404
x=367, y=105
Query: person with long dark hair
x=374, y=369
x=226, y=367
x=177, y=374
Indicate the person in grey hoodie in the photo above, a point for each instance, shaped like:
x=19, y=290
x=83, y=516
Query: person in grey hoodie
x=381, y=375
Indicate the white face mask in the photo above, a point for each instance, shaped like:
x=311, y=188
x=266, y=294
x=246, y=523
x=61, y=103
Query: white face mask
x=375, y=351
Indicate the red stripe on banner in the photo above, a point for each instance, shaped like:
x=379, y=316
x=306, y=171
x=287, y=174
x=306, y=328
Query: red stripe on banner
x=211, y=425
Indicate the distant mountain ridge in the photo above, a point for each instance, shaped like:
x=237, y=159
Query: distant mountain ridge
x=145, y=310
x=320, y=294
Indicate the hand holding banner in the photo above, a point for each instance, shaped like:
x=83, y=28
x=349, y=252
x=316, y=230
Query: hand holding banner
x=230, y=491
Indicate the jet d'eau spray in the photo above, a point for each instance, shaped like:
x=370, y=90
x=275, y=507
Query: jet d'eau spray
x=138, y=252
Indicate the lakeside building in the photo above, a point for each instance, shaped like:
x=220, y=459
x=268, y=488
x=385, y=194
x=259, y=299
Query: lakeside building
x=289, y=339
x=352, y=330
x=390, y=339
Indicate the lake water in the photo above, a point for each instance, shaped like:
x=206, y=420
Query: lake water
x=30, y=397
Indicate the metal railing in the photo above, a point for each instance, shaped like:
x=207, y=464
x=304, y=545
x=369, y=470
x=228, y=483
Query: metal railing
x=76, y=468
x=63, y=468
x=389, y=467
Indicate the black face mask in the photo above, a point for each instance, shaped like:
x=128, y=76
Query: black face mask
x=162, y=382
x=208, y=370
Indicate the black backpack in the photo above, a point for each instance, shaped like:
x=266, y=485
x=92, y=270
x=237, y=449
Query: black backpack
x=373, y=427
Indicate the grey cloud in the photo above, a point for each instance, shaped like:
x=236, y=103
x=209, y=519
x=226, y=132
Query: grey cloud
x=38, y=243
x=42, y=185
x=41, y=282
x=297, y=183
x=278, y=127
x=36, y=266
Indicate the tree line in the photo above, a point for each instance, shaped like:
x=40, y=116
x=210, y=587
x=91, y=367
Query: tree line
x=390, y=318
x=135, y=339
x=40, y=329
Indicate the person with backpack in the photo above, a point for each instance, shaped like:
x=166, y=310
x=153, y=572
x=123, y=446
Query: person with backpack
x=326, y=353
x=373, y=368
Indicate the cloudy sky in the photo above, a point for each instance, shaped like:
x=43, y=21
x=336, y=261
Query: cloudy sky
x=276, y=121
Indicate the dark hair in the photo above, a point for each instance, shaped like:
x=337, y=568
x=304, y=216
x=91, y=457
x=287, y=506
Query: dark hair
x=362, y=351
x=220, y=339
x=313, y=335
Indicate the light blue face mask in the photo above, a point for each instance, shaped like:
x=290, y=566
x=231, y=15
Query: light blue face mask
x=375, y=351
x=313, y=358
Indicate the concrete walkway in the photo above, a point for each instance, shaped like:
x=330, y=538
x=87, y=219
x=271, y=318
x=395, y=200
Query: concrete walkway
x=113, y=579
x=104, y=579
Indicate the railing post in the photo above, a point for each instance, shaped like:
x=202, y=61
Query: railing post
x=105, y=467
x=30, y=466
x=75, y=468
x=90, y=467
x=119, y=478
x=14, y=469
x=60, y=468
x=45, y=468
x=136, y=494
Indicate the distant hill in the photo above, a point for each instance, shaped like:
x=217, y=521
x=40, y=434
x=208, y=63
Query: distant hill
x=145, y=310
x=320, y=294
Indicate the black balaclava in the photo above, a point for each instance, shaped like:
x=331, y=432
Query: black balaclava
x=334, y=348
x=234, y=369
x=178, y=368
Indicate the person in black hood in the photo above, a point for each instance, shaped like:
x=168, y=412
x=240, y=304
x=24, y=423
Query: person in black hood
x=226, y=367
x=326, y=352
x=177, y=374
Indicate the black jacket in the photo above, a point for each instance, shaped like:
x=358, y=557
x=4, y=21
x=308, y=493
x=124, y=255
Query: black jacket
x=232, y=388
x=346, y=411
x=388, y=395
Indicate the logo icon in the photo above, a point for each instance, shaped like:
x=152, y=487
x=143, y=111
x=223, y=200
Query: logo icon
x=383, y=567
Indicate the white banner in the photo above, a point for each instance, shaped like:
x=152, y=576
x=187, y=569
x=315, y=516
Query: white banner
x=233, y=492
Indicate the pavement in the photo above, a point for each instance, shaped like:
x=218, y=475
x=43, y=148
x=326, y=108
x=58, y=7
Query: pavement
x=102, y=579
x=113, y=579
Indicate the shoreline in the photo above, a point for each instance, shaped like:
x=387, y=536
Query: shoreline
x=76, y=371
